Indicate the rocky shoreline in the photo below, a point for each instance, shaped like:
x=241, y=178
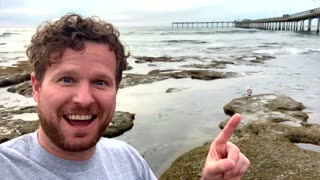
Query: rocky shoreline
x=272, y=125
x=16, y=79
x=270, y=128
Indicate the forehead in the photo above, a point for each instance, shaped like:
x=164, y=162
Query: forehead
x=95, y=57
x=91, y=54
x=91, y=49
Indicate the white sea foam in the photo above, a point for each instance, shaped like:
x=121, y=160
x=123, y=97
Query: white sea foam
x=14, y=45
x=26, y=116
x=280, y=51
x=8, y=99
x=287, y=50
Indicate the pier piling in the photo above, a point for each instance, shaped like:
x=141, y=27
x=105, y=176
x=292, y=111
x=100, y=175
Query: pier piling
x=288, y=22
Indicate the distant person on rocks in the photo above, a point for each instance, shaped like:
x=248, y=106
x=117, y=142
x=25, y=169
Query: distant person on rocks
x=249, y=91
x=78, y=64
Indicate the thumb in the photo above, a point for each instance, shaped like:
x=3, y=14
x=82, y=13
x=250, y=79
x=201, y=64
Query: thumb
x=218, y=168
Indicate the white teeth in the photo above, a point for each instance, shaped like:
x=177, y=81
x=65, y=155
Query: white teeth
x=79, y=117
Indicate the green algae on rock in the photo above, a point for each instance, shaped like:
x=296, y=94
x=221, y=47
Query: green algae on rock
x=269, y=144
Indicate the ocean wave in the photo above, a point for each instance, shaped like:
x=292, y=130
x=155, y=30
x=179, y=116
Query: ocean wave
x=311, y=50
x=235, y=31
x=7, y=34
x=136, y=33
x=209, y=31
x=185, y=41
x=287, y=51
x=7, y=52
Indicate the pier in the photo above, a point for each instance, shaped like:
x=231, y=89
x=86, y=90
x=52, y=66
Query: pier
x=288, y=22
x=301, y=21
x=214, y=24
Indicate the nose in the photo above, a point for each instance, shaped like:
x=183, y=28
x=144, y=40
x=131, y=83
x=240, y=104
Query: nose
x=83, y=95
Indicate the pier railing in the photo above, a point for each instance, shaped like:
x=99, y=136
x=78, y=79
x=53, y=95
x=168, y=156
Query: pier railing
x=305, y=13
x=287, y=22
x=211, y=24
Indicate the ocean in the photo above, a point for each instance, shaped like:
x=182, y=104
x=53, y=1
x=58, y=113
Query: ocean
x=169, y=124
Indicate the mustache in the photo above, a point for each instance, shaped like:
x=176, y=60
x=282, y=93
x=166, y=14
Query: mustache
x=79, y=110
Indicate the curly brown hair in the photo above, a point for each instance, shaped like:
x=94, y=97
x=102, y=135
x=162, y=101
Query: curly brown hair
x=72, y=31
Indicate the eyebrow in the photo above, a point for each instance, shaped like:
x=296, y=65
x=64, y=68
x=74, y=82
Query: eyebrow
x=64, y=72
x=74, y=72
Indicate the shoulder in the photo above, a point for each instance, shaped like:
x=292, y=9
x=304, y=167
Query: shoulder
x=19, y=148
x=21, y=143
x=13, y=156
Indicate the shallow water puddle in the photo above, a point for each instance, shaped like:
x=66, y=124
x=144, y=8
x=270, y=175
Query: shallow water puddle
x=26, y=116
x=307, y=146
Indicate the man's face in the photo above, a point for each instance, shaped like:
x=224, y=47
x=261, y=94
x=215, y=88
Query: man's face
x=76, y=99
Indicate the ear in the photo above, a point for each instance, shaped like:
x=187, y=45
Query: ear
x=35, y=87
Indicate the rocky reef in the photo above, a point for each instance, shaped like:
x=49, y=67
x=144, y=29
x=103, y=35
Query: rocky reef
x=17, y=79
x=270, y=129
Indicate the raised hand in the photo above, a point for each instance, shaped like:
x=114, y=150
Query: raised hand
x=224, y=160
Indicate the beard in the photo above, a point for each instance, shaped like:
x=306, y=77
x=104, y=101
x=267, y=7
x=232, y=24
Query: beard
x=50, y=125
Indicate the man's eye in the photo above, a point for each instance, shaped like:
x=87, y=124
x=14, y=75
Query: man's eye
x=100, y=83
x=66, y=80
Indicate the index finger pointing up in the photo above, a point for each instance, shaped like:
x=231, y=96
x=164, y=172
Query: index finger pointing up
x=227, y=131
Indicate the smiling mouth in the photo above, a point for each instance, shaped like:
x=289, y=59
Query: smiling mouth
x=79, y=120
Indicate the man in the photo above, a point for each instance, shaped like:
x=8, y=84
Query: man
x=78, y=64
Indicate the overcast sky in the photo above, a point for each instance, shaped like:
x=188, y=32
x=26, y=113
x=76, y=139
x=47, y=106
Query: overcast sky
x=30, y=13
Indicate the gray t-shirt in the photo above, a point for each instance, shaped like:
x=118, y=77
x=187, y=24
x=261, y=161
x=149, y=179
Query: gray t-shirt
x=25, y=158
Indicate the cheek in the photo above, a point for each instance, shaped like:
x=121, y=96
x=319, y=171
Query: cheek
x=108, y=101
x=53, y=98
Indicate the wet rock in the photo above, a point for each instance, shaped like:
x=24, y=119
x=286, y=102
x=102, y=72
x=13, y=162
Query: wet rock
x=121, y=122
x=146, y=59
x=129, y=68
x=14, y=79
x=9, y=129
x=15, y=74
x=24, y=89
x=8, y=113
x=273, y=154
x=219, y=64
x=170, y=90
x=158, y=75
x=205, y=66
x=222, y=62
x=23, y=85
x=270, y=148
x=254, y=58
x=135, y=79
x=269, y=145
x=266, y=107
x=193, y=74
